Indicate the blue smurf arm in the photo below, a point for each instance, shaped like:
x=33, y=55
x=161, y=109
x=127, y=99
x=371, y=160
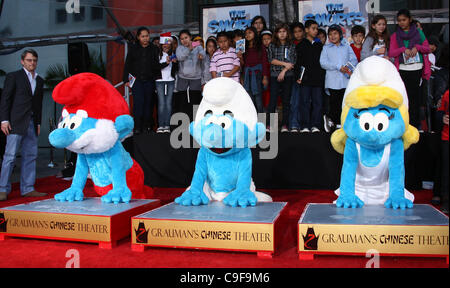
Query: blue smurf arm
x=242, y=195
x=397, y=177
x=120, y=191
x=195, y=195
x=81, y=172
x=347, y=197
x=75, y=192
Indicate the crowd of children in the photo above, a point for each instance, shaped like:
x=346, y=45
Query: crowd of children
x=300, y=67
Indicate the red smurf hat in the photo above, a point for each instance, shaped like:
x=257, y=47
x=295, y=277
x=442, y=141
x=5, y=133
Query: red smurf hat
x=91, y=93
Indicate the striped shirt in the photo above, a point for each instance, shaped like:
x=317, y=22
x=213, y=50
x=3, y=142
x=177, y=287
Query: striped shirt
x=223, y=62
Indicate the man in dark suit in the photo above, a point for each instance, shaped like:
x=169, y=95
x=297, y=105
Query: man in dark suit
x=2, y=139
x=20, y=115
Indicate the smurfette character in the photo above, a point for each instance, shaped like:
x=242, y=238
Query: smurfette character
x=375, y=134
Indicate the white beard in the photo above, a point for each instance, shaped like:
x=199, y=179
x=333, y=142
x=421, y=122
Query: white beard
x=98, y=140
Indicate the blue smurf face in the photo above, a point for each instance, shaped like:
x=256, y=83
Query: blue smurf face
x=374, y=127
x=71, y=128
x=82, y=134
x=222, y=133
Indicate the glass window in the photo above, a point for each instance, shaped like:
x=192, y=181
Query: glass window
x=96, y=13
x=394, y=5
x=79, y=17
x=61, y=16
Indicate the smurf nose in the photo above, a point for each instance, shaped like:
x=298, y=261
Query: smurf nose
x=62, y=138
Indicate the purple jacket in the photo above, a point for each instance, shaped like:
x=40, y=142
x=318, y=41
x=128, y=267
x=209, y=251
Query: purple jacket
x=395, y=52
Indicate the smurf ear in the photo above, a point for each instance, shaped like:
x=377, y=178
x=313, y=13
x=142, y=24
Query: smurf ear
x=124, y=125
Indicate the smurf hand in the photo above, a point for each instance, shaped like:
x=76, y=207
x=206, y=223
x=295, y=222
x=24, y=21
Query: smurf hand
x=192, y=197
x=398, y=202
x=70, y=195
x=242, y=198
x=347, y=201
x=117, y=195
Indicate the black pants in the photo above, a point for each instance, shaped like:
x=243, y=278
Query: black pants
x=336, y=97
x=143, y=103
x=310, y=107
x=183, y=104
x=444, y=174
x=286, y=89
x=411, y=79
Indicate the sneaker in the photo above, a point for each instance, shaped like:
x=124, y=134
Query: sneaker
x=294, y=130
x=268, y=129
x=305, y=130
x=284, y=129
x=160, y=130
x=167, y=129
x=315, y=130
x=327, y=124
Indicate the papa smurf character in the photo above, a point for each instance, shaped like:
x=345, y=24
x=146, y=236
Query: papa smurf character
x=375, y=134
x=95, y=120
x=226, y=127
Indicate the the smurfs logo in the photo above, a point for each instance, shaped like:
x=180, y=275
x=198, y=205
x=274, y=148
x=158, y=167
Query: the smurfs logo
x=239, y=19
x=337, y=14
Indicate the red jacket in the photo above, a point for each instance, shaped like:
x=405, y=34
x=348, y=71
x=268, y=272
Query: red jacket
x=444, y=108
x=357, y=51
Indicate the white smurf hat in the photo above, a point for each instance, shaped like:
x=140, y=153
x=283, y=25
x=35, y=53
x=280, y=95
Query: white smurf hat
x=224, y=94
x=375, y=81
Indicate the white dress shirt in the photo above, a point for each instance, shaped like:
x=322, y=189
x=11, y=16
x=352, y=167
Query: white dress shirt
x=31, y=79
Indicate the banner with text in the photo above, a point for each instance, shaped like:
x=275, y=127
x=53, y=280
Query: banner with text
x=216, y=19
x=345, y=13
